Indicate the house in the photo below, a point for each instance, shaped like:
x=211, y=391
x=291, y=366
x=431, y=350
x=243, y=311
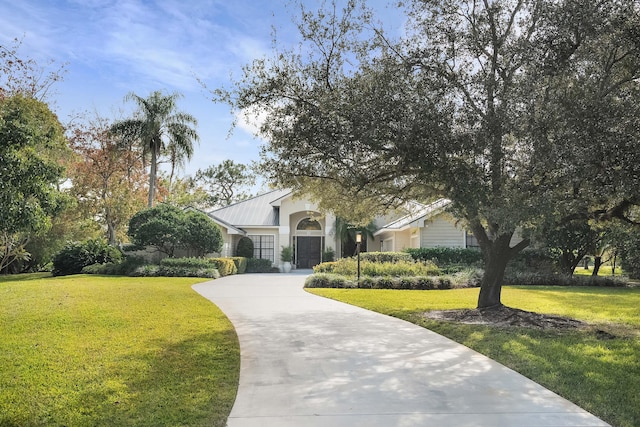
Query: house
x=277, y=219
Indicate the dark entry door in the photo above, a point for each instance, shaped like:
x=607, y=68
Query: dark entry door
x=309, y=251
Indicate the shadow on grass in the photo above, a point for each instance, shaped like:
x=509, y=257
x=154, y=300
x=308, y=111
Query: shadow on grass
x=192, y=382
x=24, y=277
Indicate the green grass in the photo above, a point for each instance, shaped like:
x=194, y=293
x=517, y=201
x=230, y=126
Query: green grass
x=113, y=351
x=601, y=376
x=605, y=270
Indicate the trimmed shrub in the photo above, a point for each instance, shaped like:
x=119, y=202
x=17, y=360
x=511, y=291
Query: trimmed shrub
x=75, y=256
x=241, y=264
x=124, y=268
x=175, y=271
x=259, y=265
x=245, y=248
x=186, y=262
x=326, y=280
x=349, y=267
x=386, y=257
x=447, y=256
x=225, y=266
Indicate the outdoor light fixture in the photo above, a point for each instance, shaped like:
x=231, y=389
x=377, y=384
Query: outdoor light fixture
x=358, y=242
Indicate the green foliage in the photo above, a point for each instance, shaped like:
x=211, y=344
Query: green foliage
x=116, y=351
x=75, y=256
x=348, y=267
x=125, y=267
x=259, y=265
x=245, y=247
x=326, y=280
x=225, y=266
x=386, y=257
x=32, y=145
x=179, y=267
x=630, y=255
x=532, y=278
x=161, y=227
x=286, y=255
x=227, y=182
x=167, y=227
x=187, y=262
x=241, y=264
x=328, y=255
x=201, y=233
x=447, y=256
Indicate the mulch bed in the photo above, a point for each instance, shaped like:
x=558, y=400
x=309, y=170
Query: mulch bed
x=506, y=317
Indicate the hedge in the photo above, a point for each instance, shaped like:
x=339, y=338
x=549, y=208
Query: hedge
x=175, y=271
x=447, y=256
x=259, y=265
x=349, y=267
x=186, y=262
x=323, y=280
x=386, y=256
x=550, y=279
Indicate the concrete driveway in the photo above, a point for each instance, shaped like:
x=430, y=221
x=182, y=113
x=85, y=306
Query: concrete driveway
x=311, y=361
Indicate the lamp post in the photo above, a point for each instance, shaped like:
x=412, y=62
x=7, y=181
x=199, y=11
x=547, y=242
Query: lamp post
x=358, y=242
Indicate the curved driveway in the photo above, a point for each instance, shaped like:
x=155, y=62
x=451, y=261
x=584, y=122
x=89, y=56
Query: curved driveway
x=311, y=361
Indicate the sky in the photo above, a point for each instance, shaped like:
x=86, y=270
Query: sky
x=110, y=48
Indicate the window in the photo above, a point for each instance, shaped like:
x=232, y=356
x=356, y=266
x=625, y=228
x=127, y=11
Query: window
x=309, y=224
x=471, y=240
x=263, y=246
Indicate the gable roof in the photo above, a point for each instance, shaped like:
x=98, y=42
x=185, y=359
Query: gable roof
x=420, y=212
x=257, y=211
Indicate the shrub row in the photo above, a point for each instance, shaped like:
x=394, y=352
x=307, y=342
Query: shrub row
x=447, y=256
x=324, y=280
x=349, y=267
x=175, y=271
x=550, y=279
x=386, y=257
x=172, y=267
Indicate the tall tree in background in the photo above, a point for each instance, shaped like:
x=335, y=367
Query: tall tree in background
x=159, y=129
x=108, y=178
x=227, y=182
x=453, y=110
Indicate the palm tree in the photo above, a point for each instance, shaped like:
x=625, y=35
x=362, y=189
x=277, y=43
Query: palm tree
x=347, y=234
x=160, y=130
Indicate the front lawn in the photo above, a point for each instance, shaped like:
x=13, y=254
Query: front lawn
x=113, y=351
x=598, y=368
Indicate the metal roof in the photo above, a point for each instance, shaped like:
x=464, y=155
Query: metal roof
x=420, y=211
x=254, y=212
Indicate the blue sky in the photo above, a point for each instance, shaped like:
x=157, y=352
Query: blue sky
x=113, y=47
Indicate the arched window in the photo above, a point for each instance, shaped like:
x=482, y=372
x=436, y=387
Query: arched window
x=309, y=224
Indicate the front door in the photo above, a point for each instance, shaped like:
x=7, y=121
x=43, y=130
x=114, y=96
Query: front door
x=309, y=251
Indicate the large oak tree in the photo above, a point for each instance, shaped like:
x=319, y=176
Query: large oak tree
x=497, y=105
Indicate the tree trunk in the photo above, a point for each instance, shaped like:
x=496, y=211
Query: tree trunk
x=496, y=257
x=152, y=177
x=497, y=253
x=597, y=262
